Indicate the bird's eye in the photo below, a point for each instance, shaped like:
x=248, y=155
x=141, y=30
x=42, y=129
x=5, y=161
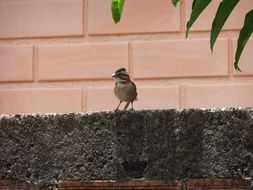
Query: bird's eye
x=123, y=76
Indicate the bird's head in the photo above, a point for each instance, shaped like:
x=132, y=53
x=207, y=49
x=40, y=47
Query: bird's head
x=121, y=75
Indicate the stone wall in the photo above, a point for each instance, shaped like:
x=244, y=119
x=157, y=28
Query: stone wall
x=125, y=145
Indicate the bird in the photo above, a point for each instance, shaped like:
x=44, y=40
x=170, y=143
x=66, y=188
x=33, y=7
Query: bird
x=124, y=89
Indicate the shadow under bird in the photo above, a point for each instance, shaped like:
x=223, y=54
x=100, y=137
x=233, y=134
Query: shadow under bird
x=124, y=89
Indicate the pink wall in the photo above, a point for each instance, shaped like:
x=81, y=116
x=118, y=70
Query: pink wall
x=58, y=56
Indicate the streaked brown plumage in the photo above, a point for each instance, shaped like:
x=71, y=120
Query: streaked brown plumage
x=124, y=89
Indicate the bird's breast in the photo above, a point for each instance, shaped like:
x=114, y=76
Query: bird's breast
x=125, y=91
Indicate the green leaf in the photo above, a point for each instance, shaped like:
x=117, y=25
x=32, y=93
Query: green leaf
x=117, y=8
x=244, y=36
x=223, y=12
x=197, y=8
x=175, y=2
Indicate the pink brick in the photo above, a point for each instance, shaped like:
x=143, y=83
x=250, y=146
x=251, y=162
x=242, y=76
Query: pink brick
x=235, y=20
x=101, y=98
x=246, y=60
x=159, y=97
x=16, y=63
x=91, y=61
x=14, y=101
x=179, y=58
x=216, y=96
x=139, y=16
x=31, y=18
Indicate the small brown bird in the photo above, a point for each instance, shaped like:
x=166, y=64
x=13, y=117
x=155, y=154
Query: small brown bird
x=124, y=89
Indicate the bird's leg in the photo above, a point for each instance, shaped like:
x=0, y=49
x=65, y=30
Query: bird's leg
x=132, y=105
x=118, y=106
x=126, y=106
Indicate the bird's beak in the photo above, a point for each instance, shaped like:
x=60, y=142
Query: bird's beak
x=113, y=75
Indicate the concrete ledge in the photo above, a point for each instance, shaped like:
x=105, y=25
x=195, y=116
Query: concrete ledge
x=151, y=145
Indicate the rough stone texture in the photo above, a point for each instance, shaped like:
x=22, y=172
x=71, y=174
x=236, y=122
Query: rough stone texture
x=155, y=145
